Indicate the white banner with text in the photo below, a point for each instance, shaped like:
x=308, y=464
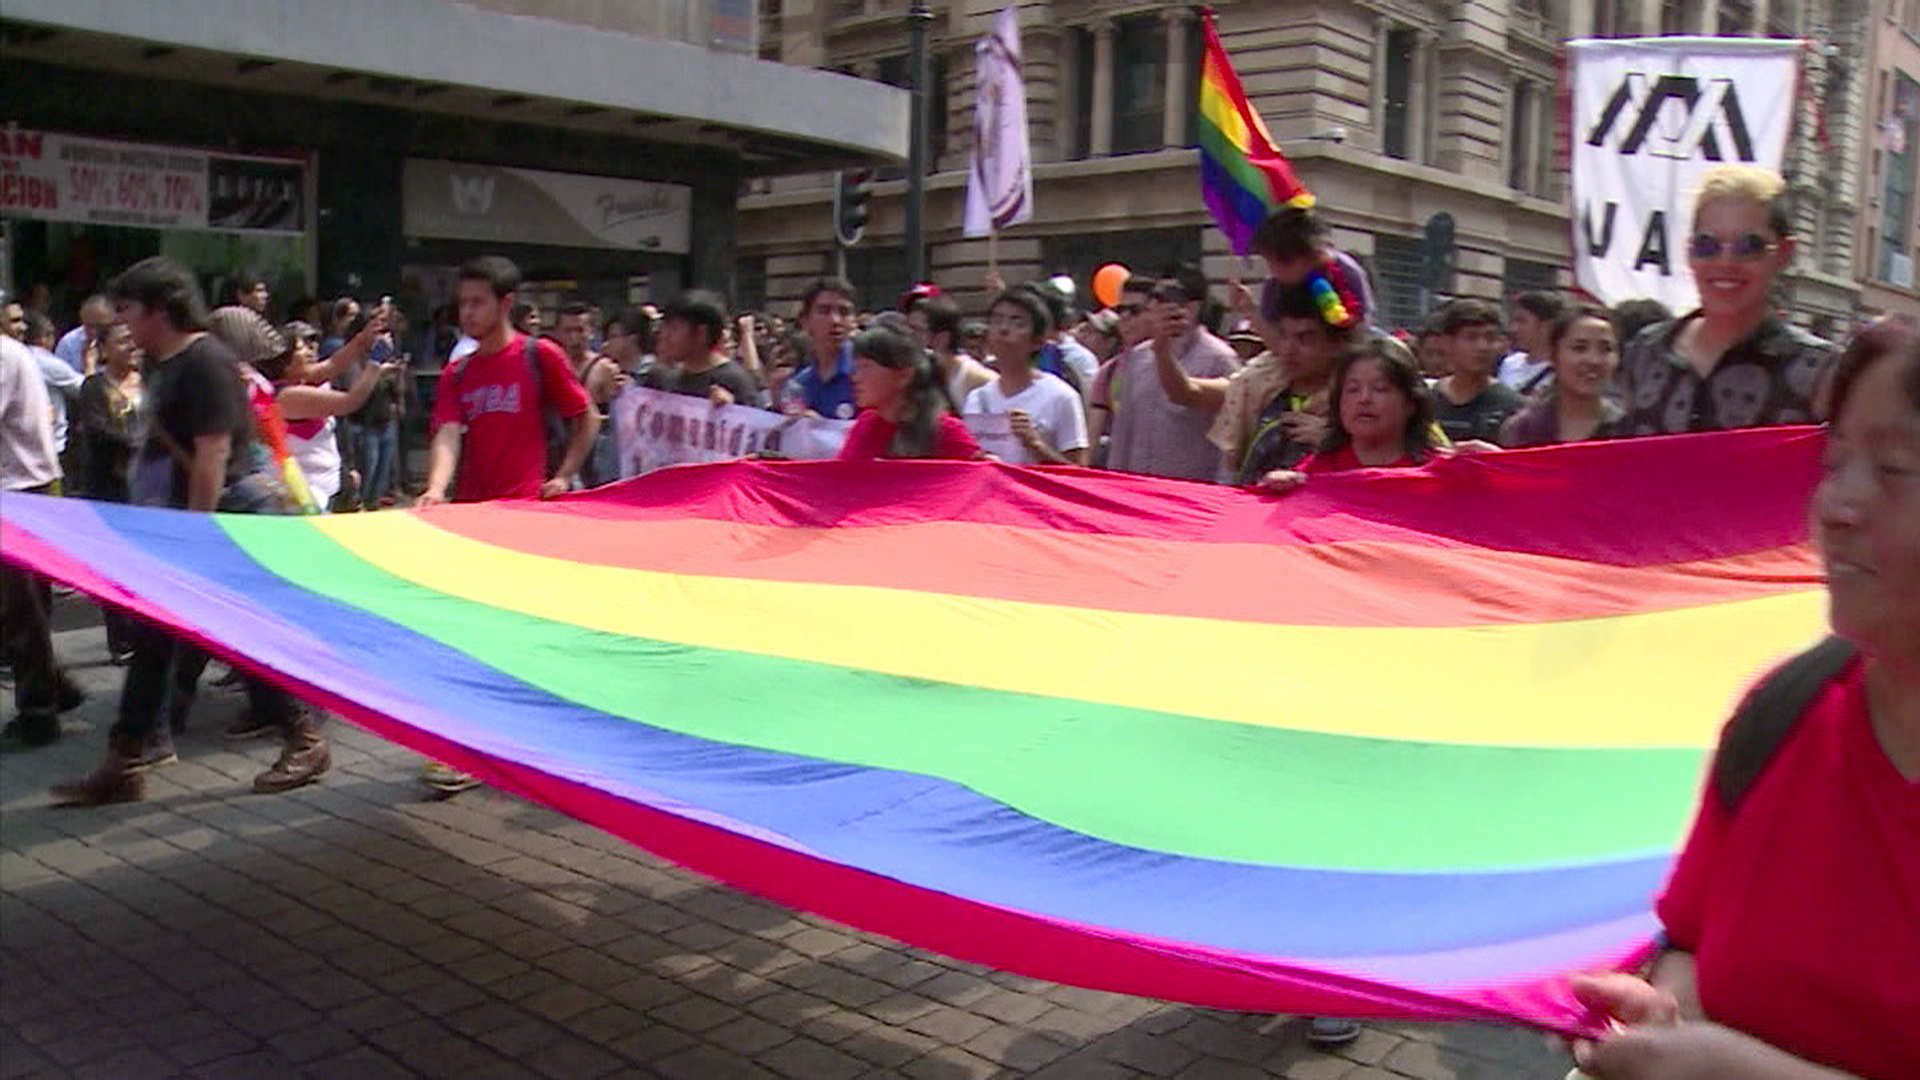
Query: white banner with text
x=653, y=429
x=1650, y=117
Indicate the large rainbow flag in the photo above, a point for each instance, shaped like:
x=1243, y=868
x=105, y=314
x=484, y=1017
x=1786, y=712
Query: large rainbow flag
x=1244, y=177
x=1402, y=744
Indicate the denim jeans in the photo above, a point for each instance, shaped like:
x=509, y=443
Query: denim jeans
x=163, y=678
x=379, y=456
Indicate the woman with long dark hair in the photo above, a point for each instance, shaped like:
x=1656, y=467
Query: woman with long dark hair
x=1584, y=352
x=904, y=408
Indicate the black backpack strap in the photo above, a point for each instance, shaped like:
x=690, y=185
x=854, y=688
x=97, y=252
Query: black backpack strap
x=531, y=353
x=1769, y=716
x=551, y=425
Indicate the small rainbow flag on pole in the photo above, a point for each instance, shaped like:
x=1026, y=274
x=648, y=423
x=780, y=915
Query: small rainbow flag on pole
x=1243, y=176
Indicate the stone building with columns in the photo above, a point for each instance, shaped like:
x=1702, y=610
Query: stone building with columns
x=1889, y=234
x=1393, y=111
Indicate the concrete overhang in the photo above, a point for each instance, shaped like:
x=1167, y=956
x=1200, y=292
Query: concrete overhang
x=445, y=57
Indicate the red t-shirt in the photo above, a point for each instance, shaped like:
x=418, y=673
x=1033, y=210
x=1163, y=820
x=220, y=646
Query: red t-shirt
x=1344, y=458
x=1803, y=907
x=503, y=454
x=872, y=435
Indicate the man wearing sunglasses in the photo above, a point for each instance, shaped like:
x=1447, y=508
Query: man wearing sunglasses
x=1136, y=296
x=1733, y=363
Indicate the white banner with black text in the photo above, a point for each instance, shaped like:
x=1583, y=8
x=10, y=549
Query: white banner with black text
x=1650, y=117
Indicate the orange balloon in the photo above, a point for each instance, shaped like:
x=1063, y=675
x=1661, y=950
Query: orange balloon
x=1107, y=283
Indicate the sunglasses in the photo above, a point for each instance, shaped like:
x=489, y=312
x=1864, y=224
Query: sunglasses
x=1743, y=247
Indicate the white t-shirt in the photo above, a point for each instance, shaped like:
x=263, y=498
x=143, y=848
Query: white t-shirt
x=1078, y=357
x=1521, y=372
x=1050, y=401
x=319, y=459
x=28, y=458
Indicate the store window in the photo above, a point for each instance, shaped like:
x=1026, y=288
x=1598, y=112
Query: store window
x=1397, y=264
x=1525, y=275
x=1082, y=44
x=1899, y=131
x=1398, y=124
x=1520, y=140
x=1139, y=83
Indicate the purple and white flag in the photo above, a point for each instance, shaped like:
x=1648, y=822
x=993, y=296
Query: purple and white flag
x=1000, y=179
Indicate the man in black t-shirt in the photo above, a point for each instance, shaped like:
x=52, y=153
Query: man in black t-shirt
x=197, y=437
x=196, y=452
x=688, y=356
x=1468, y=404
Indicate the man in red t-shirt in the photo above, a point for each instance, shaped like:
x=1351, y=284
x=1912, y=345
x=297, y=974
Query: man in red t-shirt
x=489, y=414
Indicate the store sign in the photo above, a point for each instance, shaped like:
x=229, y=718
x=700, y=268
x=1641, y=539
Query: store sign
x=1650, y=117
x=497, y=204
x=56, y=177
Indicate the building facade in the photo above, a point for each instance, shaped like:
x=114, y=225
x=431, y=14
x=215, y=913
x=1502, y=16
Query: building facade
x=367, y=147
x=1402, y=115
x=1889, y=163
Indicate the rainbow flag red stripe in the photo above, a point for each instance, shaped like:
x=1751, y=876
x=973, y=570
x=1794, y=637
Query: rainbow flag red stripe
x=1243, y=175
x=1408, y=743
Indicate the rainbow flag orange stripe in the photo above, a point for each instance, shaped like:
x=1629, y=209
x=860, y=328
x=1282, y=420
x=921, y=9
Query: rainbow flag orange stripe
x=1243, y=175
x=1405, y=743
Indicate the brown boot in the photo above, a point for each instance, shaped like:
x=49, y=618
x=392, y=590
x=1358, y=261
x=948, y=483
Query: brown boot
x=117, y=779
x=303, y=758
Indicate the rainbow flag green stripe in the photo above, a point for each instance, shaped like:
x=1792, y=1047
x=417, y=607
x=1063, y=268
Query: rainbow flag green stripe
x=1153, y=780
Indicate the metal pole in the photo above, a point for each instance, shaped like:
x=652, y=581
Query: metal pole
x=919, y=17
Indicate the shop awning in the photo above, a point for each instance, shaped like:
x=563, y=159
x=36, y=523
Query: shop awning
x=445, y=57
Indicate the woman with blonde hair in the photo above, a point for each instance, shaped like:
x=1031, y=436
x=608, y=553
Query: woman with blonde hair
x=1732, y=362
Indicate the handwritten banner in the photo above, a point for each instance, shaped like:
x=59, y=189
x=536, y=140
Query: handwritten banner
x=653, y=429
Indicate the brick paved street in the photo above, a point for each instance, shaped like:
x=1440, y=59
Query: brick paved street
x=357, y=930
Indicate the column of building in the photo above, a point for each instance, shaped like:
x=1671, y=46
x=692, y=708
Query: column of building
x=1180, y=79
x=1100, y=129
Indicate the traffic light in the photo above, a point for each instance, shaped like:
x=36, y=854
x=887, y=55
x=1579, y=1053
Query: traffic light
x=853, y=188
x=1438, y=254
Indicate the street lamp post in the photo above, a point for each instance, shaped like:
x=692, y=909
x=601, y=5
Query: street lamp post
x=919, y=17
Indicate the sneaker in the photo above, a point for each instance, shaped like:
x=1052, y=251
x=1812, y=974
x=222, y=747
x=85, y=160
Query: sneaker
x=247, y=725
x=29, y=732
x=234, y=677
x=70, y=696
x=1325, y=1033
x=446, y=779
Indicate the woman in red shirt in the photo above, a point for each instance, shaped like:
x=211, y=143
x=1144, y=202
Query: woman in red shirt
x=1383, y=416
x=1793, y=917
x=904, y=409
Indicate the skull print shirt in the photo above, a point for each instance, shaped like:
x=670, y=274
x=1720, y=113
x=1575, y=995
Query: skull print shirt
x=1768, y=379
